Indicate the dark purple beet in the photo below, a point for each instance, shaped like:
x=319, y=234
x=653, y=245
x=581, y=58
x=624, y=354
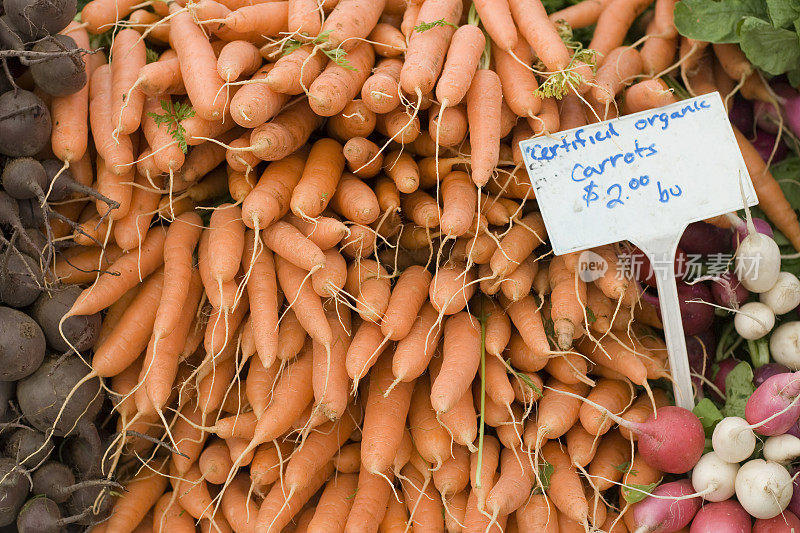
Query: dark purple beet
x=703, y=238
x=728, y=291
x=765, y=143
x=725, y=367
x=764, y=372
x=701, y=348
x=792, y=109
x=696, y=315
x=794, y=503
x=762, y=226
x=741, y=114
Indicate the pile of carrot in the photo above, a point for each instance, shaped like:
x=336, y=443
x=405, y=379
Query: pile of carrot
x=329, y=304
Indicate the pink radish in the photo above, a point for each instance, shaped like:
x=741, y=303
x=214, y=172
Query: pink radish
x=668, y=508
x=783, y=523
x=774, y=407
x=721, y=517
x=670, y=440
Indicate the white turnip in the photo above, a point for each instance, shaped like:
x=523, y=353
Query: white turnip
x=714, y=478
x=754, y=320
x=784, y=295
x=733, y=440
x=763, y=488
x=758, y=262
x=784, y=344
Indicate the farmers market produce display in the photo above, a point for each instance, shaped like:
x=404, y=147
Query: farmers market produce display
x=277, y=266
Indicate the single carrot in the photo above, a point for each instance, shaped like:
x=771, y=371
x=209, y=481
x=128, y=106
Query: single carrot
x=329, y=378
x=384, y=418
x=566, y=489
x=318, y=183
x=461, y=64
x=381, y=91
x=537, y=515
x=372, y=501
x=256, y=102
x=350, y=21
x=388, y=40
x=129, y=270
x=426, y=50
x=127, y=101
x=294, y=72
x=142, y=492
x=238, y=508
x=460, y=362
x=338, y=84
x=613, y=24
x=496, y=18
x=116, y=150
x=451, y=288
x=288, y=243
x=198, y=65
x=269, y=199
x=285, y=133
x=647, y=94
x=431, y=439
x=541, y=34
x=608, y=465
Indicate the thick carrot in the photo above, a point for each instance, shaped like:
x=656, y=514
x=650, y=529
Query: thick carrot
x=280, y=506
x=70, y=134
x=526, y=317
x=466, y=47
x=364, y=158
x=408, y=297
x=169, y=516
x=426, y=51
x=325, y=231
x=518, y=82
x=306, y=303
x=334, y=504
x=142, y=492
x=537, y=515
x=496, y=18
x=431, y=439
x=291, y=395
x=399, y=125
x=460, y=363
x=355, y=200
x=118, y=154
x=459, y=199
x=566, y=489
x=541, y=34
x=364, y=350
x=581, y=445
x=129, y=338
x=291, y=336
x=381, y=91
x=384, y=418
x=512, y=488
x=100, y=15
x=129, y=270
x=198, y=65
x=517, y=244
x=304, y=17
x=286, y=133
x=372, y=500
x=236, y=59
x=339, y=84
x=256, y=102
x=354, y=120
x=294, y=72
x=262, y=290
x=557, y=412
x=318, y=183
x=606, y=468
x=451, y=288
x=648, y=94
x=329, y=378
x=163, y=76
x=388, y=40
x=427, y=512
x=288, y=243
x=128, y=56
x=612, y=394
x=238, y=508
x=620, y=66
x=580, y=15
x=658, y=53
x=613, y=24
x=350, y=21
x=269, y=199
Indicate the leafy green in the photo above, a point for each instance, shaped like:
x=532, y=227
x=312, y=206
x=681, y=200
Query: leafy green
x=635, y=493
x=425, y=26
x=783, y=12
x=715, y=21
x=709, y=415
x=151, y=55
x=172, y=117
x=623, y=467
x=787, y=174
x=557, y=84
x=774, y=50
x=545, y=471
x=738, y=389
x=590, y=318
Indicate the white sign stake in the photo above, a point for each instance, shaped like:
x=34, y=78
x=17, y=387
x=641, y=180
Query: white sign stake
x=643, y=178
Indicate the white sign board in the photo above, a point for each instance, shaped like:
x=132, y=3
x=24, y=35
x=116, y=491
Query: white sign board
x=642, y=178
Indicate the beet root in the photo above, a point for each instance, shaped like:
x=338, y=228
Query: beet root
x=42, y=395
x=22, y=345
x=80, y=331
x=24, y=123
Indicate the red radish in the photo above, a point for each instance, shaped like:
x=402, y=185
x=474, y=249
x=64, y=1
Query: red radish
x=643, y=270
x=671, y=439
x=721, y=517
x=668, y=508
x=783, y=523
x=728, y=291
x=775, y=405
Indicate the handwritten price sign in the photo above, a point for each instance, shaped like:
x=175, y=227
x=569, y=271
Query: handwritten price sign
x=642, y=178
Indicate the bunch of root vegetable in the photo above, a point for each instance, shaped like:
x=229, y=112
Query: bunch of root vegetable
x=328, y=296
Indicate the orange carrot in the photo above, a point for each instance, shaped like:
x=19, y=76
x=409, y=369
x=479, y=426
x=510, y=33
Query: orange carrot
x=541, y=34
x=142, y=492
x=337, y=84
x=198, y=65
x=318, y=183
x=483, y=111
x=128, y=56
x=117, y=154
x=269, y=200
x=613, y=24
x=380, y=92
x=426, y=50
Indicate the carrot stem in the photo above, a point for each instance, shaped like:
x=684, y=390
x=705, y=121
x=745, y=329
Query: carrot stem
x=483, y=398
